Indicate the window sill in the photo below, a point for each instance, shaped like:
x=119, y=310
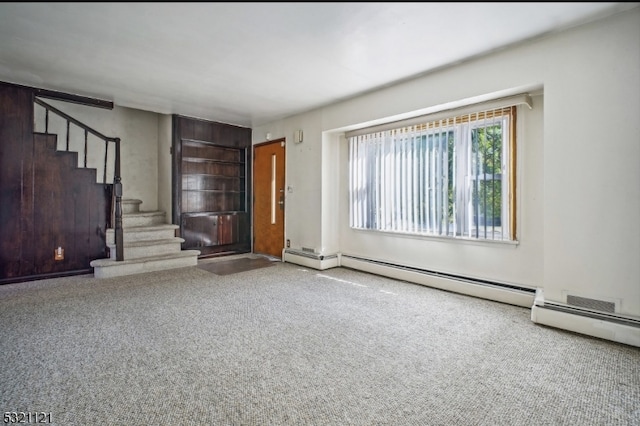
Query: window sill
x=438, y=238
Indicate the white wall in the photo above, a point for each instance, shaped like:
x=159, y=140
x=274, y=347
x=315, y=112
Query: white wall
x=165, y=142
x=303, y=196
x=579, y=169
x=333, y=190
x=592, y=163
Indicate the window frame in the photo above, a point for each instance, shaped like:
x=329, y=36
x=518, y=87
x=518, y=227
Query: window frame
x=475, y=116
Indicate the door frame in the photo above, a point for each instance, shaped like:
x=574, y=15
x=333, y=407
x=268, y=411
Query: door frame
x=283, y=143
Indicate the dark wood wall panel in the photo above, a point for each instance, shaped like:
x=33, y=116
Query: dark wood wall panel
x=48, y=209
x=16, y=206
x=69, y=208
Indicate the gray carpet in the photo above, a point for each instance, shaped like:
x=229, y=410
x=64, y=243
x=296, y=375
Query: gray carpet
x=288, y=346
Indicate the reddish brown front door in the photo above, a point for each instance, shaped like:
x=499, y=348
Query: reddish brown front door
x=268, y=204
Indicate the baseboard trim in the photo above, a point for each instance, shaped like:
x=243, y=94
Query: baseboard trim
x=47, y=276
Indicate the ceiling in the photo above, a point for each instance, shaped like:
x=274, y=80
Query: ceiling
x=251, y=63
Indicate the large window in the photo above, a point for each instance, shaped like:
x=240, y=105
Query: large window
x=452, y=177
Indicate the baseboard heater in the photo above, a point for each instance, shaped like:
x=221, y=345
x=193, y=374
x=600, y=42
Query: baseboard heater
x=493, y=284
x=575, y=310
x=310, y=254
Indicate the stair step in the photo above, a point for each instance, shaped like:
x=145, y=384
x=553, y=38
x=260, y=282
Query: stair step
x=131, y=205
x=143, y=219
x=108, y=268
x=141, y=249
x=143, y=233
x=149, y=244
x=70, y=158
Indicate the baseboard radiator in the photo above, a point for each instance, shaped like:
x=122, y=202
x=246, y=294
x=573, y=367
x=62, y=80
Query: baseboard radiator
x=592, y=317
x=604, y=316
x=496, y=291
x=308, y=257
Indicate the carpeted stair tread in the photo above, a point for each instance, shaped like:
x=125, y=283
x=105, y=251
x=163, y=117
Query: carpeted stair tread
x=142, y=214
x=161, y=257
x=143, y=243
x=142, y=228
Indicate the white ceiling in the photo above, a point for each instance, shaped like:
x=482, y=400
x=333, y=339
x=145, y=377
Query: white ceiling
x=251, y=63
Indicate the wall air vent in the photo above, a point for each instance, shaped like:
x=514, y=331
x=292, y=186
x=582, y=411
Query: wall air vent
x=598, y=305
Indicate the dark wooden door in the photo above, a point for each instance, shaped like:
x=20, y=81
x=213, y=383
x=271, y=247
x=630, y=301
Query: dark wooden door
x=269, y=191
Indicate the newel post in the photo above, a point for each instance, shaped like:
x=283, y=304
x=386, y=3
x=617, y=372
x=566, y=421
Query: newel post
x=117, y=189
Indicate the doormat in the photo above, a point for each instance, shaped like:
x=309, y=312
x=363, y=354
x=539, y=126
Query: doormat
x=228, y=267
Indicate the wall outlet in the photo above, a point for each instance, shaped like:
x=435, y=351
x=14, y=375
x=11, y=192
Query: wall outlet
x=58, y=254
x=288, y=243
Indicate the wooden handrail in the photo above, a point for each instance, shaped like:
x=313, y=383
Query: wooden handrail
x=73, y=120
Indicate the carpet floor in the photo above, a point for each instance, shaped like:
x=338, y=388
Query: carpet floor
x=286, y=345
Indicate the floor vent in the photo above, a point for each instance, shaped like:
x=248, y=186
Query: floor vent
x=598, y=305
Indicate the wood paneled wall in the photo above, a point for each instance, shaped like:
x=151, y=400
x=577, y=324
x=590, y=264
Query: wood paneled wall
x=46, y=202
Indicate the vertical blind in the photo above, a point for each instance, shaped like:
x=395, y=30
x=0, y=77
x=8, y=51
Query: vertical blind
x=446, y=177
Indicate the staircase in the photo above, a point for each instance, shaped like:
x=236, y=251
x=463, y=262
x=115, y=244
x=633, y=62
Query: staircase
x=150, y=245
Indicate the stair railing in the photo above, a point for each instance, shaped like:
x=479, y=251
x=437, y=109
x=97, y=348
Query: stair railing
x=117, y=180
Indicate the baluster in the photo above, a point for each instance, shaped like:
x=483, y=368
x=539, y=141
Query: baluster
x=46, y=121
x=86, y=136
x=106, y=152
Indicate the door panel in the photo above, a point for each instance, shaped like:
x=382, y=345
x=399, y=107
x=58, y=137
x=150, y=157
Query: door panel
x=268, y=185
